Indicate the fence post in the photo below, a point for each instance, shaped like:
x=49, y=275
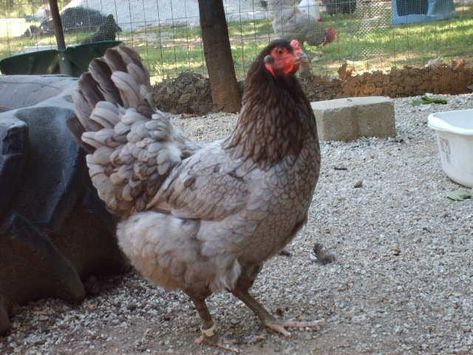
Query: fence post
x=58, y=30
x=218, y=56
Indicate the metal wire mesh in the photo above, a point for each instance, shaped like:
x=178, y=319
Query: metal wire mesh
x=167, y=33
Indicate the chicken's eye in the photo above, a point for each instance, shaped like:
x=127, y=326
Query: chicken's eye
x=279, y=51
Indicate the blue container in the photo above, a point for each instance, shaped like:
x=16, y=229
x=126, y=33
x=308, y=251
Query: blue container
x=418, y=11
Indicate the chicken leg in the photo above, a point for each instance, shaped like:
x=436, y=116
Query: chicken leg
x=209, y=334
x=267, y=319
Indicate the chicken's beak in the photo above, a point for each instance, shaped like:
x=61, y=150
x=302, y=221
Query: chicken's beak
x=269, y=59
x=302, y=58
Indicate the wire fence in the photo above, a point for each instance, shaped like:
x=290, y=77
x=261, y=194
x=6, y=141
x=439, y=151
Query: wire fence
x=370, y=34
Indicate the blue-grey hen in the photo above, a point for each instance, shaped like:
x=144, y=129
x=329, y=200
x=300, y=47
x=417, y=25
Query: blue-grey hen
x=202, y=217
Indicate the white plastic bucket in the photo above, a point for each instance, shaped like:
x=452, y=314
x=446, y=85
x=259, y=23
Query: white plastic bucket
x=455, y=140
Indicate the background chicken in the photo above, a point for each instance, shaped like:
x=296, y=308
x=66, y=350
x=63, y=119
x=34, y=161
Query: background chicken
x=290, y=22
x=107, y=31
x=202, y=218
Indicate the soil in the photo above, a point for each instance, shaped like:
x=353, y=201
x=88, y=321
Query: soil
x=438, y=78
x=188, y=93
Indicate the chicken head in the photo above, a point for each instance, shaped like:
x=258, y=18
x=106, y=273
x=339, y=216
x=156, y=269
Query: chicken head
x=284, y=59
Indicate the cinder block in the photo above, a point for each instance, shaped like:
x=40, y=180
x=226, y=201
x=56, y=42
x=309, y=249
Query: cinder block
x=350, y=118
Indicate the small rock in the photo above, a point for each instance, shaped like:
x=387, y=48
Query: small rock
x=323, y=256
x=285, y=252
x=358, y=184
x=131, y=306
x=279, y=312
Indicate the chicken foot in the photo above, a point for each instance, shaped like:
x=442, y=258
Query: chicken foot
x=209, y=334
x=267, y=319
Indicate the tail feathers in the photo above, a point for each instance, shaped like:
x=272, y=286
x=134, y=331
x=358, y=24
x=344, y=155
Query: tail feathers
x=131, y=156
x=119, y=78
x=85, y=100
x=101, y=114
x=132, y=147
x=115, y=60
x=102, y=73
x=131, y=92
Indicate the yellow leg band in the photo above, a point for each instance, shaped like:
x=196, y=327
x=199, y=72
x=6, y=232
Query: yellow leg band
x=209, y=332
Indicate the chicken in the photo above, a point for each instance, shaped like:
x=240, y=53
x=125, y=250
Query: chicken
x=107, y=31
x=202, y=218
x=290, y=22
x=311, y=8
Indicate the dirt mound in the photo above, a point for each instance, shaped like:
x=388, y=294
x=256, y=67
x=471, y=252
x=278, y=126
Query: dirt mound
x=319, y=88
x=439, y=78
x=188, y=93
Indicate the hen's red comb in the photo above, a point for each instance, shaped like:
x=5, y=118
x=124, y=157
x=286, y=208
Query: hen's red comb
x=295, y=44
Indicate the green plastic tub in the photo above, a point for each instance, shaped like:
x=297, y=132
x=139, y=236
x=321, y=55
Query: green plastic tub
x=73, y=61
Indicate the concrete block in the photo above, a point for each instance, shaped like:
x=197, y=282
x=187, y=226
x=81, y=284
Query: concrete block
x=350, y=118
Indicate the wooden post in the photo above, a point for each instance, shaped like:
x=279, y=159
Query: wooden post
x=58, y=31
x=218, y=56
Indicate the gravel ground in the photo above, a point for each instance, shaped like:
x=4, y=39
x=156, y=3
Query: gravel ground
x=402, y=282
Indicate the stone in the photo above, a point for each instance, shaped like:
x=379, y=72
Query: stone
x=351, y=118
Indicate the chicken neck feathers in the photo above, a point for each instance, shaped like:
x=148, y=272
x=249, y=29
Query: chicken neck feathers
x=275, y=121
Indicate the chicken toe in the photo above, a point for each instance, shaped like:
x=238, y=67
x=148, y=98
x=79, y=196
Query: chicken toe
x=280, y=326
x=267, y=319
x=277, y=327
